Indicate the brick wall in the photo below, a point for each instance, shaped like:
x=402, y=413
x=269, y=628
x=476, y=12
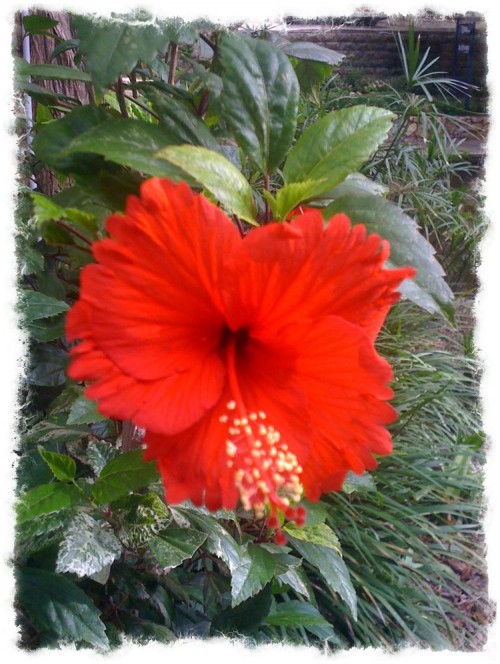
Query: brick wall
x=373, y=49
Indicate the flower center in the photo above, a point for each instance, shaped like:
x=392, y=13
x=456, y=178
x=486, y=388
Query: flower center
x=266, y=472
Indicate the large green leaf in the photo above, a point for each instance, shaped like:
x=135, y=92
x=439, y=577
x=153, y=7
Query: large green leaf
x=337, y=145
x=259, y=99
x=113, y=46
x=174, y=545
x=55, y=604
x=35, y=24
x=247, y=616
x=54, y=430
x=35, y=305
x=216, y=174
x=132, y=143
x=62, y=466
x=247, y=581
x=331, y=567
x=428, y=288
x=311, y=51
x=87, y=547
x=54, y=138
x=127, y=472
x=51, y=72
x=99, y=454
x=45, y=499
x=282, y=91
x=294, y=613
x=179, y=120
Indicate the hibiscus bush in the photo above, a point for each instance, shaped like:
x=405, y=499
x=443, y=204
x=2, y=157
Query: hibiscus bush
x=203, y=397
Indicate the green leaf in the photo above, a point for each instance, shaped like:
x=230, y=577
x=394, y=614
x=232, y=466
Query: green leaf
x=310, y=51
x=331, y=567
x=44, y=331
x=62, y=466
x=294, y=613
x=336, y=145
x=221, y=543
x=55, y=604
x=36, y=305
x=292, y=195
x=129, y=142
x=49, y=367
x=248, y=580
x=259, y=99
x=46, y=498
x=88, y=547
x=127, y=472
x=113, y=46
x=247, y=616
x=181, y=123
x=34, y=24
x=53, y=430
x=318, y=534
x=175, y=545
x=99, y=453
x=311, y=75
x=358, y=483
x=428, y=289
x=51, y=72
x=66, y=45
x=47, y=209
x=282, y=92
x=297, y=579
x=53, y=140
x=354, y=185
x=144, y=515
x=216, y=174
x=84, y=411
x=45, y=530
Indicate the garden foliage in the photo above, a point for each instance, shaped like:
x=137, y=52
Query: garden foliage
x=99, y=555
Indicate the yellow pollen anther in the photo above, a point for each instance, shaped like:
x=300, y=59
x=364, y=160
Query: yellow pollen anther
x=231, y=405
x=262, y=415
x=223, y=419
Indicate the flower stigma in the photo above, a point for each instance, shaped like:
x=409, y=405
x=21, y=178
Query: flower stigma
x=266, y=473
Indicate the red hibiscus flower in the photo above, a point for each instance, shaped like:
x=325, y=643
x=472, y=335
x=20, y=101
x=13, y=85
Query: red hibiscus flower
x=249, y=361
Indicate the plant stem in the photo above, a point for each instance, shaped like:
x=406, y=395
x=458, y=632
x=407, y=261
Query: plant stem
x=74, y=232
x=267, y=210
x=121, y=97
x=174, y=51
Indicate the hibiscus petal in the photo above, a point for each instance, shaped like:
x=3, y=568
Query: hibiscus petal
x=345, y=382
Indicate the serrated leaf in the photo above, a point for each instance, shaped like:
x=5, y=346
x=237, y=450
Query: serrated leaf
x=175, y=545
x=296, y=578
x=47, y=209
x=127, y=472
x=247, y=581
x=35, y=305
x=45, y=499
x=294, y=613
x=62, y=466
x=53, y=140
x=130, y=142
x=356, y=184
x=408, y=246
x=216, y=174
x=46, y=529
x=331, y=567
x=55, y=604
x=99, y=453
x=113, y=46
x=311, y=75
x=181, y=123
x=84, y=411
x=144, y=515
x=51, y=72
x=88, y=546
x=259, y=99
x=337, y=145
x=317, y=534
